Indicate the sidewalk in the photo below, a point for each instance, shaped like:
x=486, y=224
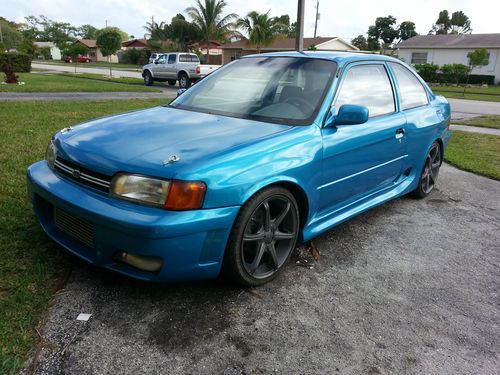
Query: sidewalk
x=475, y=129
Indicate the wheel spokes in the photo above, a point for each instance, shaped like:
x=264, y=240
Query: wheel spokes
x=258, y=257
x=278, y=235
x=277, y=222
x=249, y=237
x=267, y=219
x=274, y=257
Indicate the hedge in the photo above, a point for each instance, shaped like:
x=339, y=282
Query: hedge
x=20, y=62
x=451, y=73
x=479, y=79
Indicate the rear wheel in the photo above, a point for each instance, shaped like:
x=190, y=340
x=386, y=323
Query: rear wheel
x=184, y=81
x=430, y=172
x=148, y=79
x=172, y=82
x=263, y=237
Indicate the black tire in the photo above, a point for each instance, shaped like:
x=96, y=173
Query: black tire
x=263, y=237
x=184, y=81
x=172, y=82
x=430, y=172
x=148, y=79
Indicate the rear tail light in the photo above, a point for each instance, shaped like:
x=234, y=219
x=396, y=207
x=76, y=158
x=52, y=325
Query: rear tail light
x=198, y=70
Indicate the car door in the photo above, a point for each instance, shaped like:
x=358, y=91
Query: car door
x=362, y=160
x=160, y=67
x=171, y=67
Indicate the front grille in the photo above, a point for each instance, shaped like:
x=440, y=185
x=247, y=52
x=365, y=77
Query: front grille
x=74, y=227
x=82, y=175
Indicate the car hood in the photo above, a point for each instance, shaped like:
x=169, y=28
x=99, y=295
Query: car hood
x=143, y=141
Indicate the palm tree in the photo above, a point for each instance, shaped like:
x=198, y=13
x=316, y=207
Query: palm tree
x=262, y=30
x=209, y=20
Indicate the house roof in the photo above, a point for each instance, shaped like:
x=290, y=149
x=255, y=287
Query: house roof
x=285, y=44
x=136, y=42
x=44, y=44
x=90, y=43
x=452, y=41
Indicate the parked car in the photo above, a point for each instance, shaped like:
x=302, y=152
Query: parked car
x=265, y=152
x=172, y=67
x=80, y=58
x=154, y=56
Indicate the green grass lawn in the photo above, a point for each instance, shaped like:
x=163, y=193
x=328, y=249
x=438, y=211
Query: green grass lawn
x=490, y=121
x=31, y=266
x=490, y=94
x=36, y=82
x=478, y=153
x=96, y=64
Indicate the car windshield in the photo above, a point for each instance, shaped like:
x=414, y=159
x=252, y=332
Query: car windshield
x=275, y=89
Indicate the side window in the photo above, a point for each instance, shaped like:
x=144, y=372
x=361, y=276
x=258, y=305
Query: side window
x=367, y=85
x=172, y=58
x=419, y=57
x=162, y=59
x=411, y=92
x=184, y=58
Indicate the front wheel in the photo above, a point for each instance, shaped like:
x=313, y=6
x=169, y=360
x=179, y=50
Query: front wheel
x=263, y=237
x=184, y=81
x=148, y=79
x=430, y=172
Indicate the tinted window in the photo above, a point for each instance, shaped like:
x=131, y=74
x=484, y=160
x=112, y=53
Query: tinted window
x=411, y=92
x=171, y=59
x=367, y=85
x=188, y=58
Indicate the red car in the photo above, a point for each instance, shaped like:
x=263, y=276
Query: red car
x=80, y=58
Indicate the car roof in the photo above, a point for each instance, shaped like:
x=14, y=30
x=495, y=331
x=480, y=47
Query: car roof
x=338, y=56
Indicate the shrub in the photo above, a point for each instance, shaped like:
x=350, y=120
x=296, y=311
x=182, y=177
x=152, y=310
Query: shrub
x=479, y=79
x=134, y=56
x=428, y=72
x=454, y=73
x=20, y=62
x=10, y=76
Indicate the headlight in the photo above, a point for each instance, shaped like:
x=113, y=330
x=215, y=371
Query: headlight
x=171, y=195
x=51, y=154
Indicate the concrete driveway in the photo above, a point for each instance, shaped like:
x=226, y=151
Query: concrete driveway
x=411, y=287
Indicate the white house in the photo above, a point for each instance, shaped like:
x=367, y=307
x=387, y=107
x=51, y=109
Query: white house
x=452, y=49
x=54, y=51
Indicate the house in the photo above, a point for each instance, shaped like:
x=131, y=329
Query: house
x=55, y=53
x=452, y=49
x=214, y=50
x=235, y=50
x=95, y=52
x=135, y=43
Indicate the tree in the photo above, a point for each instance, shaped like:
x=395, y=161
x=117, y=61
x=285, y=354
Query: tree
x=460, y=23
x=87, y=32
x=11, y=35
x=261, y=29
x=360, y=42
x=477, y=58
x=46, y=30
x=407, y=30
x=123, y=35
x=282, y=25
x=182, y=32
x=209, y=20
x=109, y=41
x=384, y=30
x=75, y=50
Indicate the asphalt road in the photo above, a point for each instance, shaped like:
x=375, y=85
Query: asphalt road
x=411, y=287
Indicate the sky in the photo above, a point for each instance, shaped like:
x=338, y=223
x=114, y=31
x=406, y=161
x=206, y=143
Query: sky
x=345, y=19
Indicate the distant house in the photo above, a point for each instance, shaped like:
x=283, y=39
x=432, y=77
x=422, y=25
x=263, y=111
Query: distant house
x=135, y=43
x=215, y=52
x=55, y=52
x=452, y=49
x=235, y=50
x=95, y=52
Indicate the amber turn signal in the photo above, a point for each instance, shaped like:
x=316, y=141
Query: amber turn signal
x=185, y=195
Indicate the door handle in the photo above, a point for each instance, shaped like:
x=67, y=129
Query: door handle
x=399, y=133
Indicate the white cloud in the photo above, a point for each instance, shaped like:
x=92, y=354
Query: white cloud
x=346, y=19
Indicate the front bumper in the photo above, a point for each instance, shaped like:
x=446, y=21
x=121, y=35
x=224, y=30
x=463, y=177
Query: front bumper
x=190, y=243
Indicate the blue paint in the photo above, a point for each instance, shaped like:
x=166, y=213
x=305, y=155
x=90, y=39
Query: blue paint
x=342, y=171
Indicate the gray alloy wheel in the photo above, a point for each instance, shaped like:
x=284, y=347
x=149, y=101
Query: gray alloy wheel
x=263, y=237
x=148, y=79
x=430, y=172
x=184, y=81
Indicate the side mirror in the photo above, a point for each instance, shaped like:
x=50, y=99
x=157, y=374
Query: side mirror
x=180, y=92
x=350, y=114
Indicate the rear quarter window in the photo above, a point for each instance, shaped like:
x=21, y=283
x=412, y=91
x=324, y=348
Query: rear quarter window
x=411, y=91
x=188, y=58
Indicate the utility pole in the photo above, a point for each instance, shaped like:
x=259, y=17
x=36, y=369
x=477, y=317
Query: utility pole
x=299, y=38
x=106, y=21
x=317, y=18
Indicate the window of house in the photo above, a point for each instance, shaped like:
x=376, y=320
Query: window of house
x=369, y=86
x=411, y=92
x=419, y=57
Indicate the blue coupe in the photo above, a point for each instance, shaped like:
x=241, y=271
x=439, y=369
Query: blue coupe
x=268, y=151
